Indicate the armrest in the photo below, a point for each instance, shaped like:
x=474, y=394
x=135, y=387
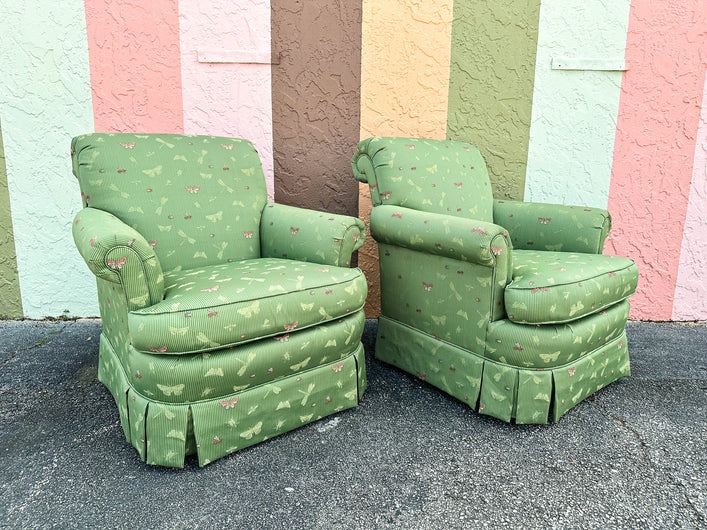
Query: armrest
x=116, y=252
x=539, y=226
x=478, y=242
x=308, y=235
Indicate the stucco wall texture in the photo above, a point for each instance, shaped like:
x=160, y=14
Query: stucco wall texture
x=306, y=80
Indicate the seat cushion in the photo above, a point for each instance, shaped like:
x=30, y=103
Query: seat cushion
x=218, y=306
x=557, y=287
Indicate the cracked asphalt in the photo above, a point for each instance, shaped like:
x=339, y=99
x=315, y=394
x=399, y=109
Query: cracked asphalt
x=634, y=455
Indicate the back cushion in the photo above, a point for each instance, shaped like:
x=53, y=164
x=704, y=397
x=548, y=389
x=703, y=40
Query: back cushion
x=196, y=199
x=438, y=176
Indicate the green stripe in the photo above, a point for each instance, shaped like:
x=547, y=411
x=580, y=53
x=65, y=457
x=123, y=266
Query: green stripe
x=491, y=85
x=10, y=299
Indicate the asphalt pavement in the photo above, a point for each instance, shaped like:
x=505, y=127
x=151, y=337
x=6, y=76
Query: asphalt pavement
x=634, y=455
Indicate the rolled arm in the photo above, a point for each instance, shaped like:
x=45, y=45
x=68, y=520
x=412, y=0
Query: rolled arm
x=555, y=227
x=478, y=242
x=116, y=252
x=309, y=235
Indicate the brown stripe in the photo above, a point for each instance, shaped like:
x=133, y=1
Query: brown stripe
x=316, y=103
x=10, y=298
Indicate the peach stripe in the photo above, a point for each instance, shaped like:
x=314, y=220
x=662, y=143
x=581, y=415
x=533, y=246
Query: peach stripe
x=135, y=67
x=405, y=59
x=659, y=111
x=691, y=289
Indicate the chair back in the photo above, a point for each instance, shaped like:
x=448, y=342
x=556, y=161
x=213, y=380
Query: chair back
x=197, y=199
x=437, y=176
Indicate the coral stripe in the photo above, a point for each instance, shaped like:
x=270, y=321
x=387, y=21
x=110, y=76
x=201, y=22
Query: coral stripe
x=690, y=301
x=134, y=60
x=661, y=98
x=405, y=60
x=228, y=98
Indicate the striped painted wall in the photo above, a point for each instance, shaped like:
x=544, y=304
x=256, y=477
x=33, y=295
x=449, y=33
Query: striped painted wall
x=599, y=103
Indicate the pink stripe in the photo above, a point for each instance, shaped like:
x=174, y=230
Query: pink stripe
x=661, y=98
x=691, y=289
x=230, y=98
x=133, y=49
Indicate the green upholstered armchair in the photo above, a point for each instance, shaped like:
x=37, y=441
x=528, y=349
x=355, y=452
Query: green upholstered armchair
x=507, y=306
x=226, y=319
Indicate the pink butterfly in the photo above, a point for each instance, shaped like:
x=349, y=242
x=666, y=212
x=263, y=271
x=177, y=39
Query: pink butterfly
x=130, y=243
x=482, y=406
x=375, y=187
x=117, y=264
x=458, y=184
x=412, y=146
x=496, y=251
x=413, y=168
x=292, y=326
x=294, y=230
x=327, y=400
x=620, y=345
x=323, y=270
x=187, y=216
x=421, y=376
x=137, y=374
x=356, y=237
x=225, y=168
x=283, y=338
x=270, y=370
x=229, y=404
x=540, y=289
x=327, y=291
x=149, y=190
x=479, y=230
x=612, y=274
x=248, y=235
x=212, y=313
x=153, y=243
x=385, y=195
x=217, y=440
x=398, y=215
x=543, y=220
x=571, y=371
x=338, y=367
x=438, y=246
x=452, y=368
x=192, y=189
x=560, y=269
x=211, y=290
x=518, y=347
x=128, y=146
x=87, y=198
x=229, y=146
x=92, y=241
x=427, y=286
x=121, y=170
x=159, y=350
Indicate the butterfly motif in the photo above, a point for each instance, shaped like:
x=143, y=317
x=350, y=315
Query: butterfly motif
x=518, y=347
x=153, y=243
x=452, y=368
x=612, y=274
x=421, y=376
x=130, y=243
x=338, y=367
x=438, y=246
x=356, y=237
x=92, y=241
x=87, y=198
x=118, y=264
x=121, y=170
x=229, y=404
x=496, y=251
x=539, y=289
x=248, y=235
x=560, y=269
x=323, y=270
x=138, y=375
x=294, y=230
x=128, y=146
x=479, y=230
x=571, y=371
x=161, y=349
x=226, y=168
x=229, y=146
x=327, y=291
x=385, y=195
x=270, y=371
x=289, y=327
x=458, y=184
x=413, y=168
x=283, y=338
x=192, y=189
x=620, y=345
x=210, y=290
x=327, y=400
x=427, y=286
x=187, y=216
x=212, y=313
x=217, y=440
x=482, y=407
x=544, y=220
x=411, y=146
x=149, y=190
x=398, y=215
